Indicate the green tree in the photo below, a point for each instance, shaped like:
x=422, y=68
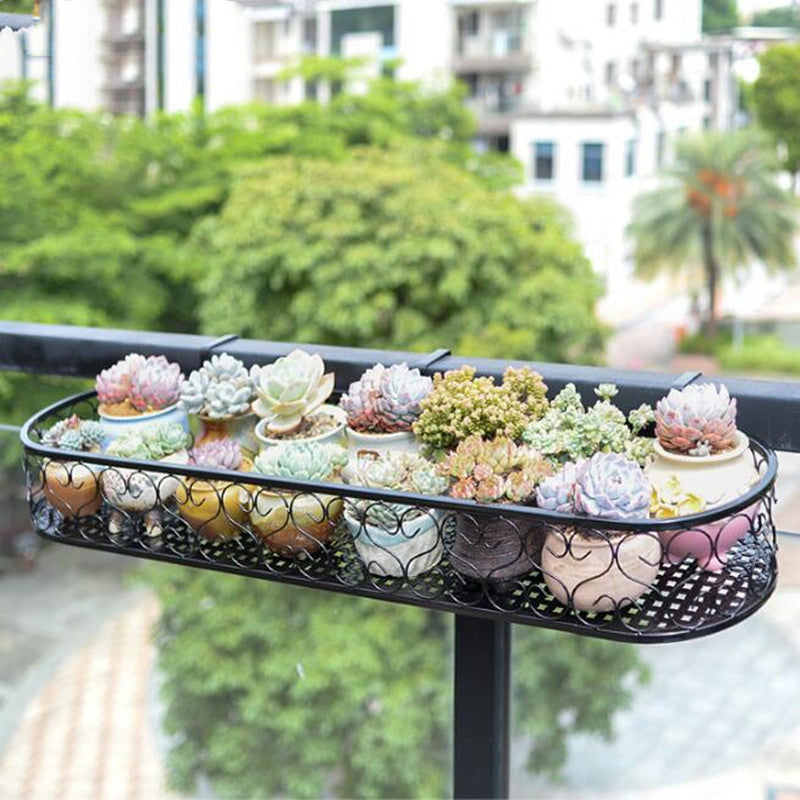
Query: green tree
x=720, y=15
x=784, y=17
x=392, y=249
x=776, y=96
x=285, y=692
x=718, y=207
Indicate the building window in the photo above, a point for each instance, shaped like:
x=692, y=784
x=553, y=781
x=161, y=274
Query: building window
x=661, y=148
x=265, y=41
x=592, y=167
x=707, y=90
x=634, y=13
x=630, y=158
x=611, y=73
x=706, y=123
x=658, y=10
x=611, y=14
x=544, y=161
x=375, y=19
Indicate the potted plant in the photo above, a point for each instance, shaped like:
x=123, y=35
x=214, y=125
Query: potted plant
x=461, y=405
x=699, y=446
x=291, y=395
x=221, y=394
x=135, y=491
x=381, y=408
x=71, y=486
x=395, y=539
x=489, y=546
x=569, y=431
x=213, y=507
x=139, y=391
x=296, y=523
x=597, y=570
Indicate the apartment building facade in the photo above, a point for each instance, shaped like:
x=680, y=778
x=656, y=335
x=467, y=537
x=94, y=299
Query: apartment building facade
x=589, y=95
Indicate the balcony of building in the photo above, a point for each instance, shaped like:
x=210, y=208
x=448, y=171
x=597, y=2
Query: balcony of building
x=491, y=39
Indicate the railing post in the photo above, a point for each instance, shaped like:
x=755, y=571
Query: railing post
x=481, y=716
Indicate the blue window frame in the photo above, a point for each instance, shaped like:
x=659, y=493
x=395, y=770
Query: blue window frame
x=592, y=162
x=200, y=49
x=544, y=168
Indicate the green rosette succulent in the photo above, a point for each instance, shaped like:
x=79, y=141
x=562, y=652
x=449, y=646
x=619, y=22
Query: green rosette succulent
x=152, y=443
x=306, y=461
x=76, y=434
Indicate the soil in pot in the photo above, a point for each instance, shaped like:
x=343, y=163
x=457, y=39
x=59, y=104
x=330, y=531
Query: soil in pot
x=326, y=426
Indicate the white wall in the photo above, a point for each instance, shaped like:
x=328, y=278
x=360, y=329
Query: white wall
x=179, y=55
x=229, y=54
x=79, y=69
x=10, y=55
x=424, y=39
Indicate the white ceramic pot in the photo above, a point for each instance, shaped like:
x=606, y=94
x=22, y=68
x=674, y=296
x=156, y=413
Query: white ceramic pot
x=600, y=573
x=381, y=443
x=116, y=426
x=135, y=491
x=414, y=549
x=334, y=436
x=716, y=479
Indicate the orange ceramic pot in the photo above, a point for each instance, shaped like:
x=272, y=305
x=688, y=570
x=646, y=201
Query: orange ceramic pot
x=72, y=489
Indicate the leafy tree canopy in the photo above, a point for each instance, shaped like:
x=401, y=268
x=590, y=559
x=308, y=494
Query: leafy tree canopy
x=784, y=17
x=393, y=249
x=720, y=15
x=776, y=96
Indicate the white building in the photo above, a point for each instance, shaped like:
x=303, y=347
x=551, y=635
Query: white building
x=589, y=95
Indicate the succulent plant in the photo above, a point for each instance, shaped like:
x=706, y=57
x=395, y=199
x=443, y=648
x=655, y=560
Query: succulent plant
x=152, y=442
x=139, y=385
x=386, y=400
x=699, y=420
x=557, y=493
x=399, y=472
x=222, y=388
x=218, y=454
x=360, y=403
x=494, y=470
x=155, y=384
x=462, y=405
x=290, y=390
x=76, y=434
x=307, y=461
x=113, y=385
x=672, y=500
x=611, y=486
x=569, y=431
x=402, y=390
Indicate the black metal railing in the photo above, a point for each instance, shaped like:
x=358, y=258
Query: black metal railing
x=489, y=564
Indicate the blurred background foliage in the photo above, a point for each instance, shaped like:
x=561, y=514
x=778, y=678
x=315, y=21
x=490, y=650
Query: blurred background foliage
x=370, y=221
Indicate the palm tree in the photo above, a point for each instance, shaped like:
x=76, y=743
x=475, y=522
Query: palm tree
x=718, y=207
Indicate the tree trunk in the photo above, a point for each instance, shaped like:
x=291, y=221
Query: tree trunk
x=712, y=278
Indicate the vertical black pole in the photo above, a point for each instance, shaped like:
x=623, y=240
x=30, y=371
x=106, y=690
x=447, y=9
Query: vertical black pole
x=481, y=737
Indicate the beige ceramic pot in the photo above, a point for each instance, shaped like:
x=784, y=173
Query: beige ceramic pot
x=716, y=479
x=600, y=573
x=381, y=443
x=72, y=488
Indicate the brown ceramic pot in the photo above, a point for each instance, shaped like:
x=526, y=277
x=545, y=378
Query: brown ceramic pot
x=72, y=489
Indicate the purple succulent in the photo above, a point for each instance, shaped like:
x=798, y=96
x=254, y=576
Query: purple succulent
x=611, y=486
x=217, y=454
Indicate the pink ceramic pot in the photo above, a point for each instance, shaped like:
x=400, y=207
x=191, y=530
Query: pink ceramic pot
x=710, y=543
